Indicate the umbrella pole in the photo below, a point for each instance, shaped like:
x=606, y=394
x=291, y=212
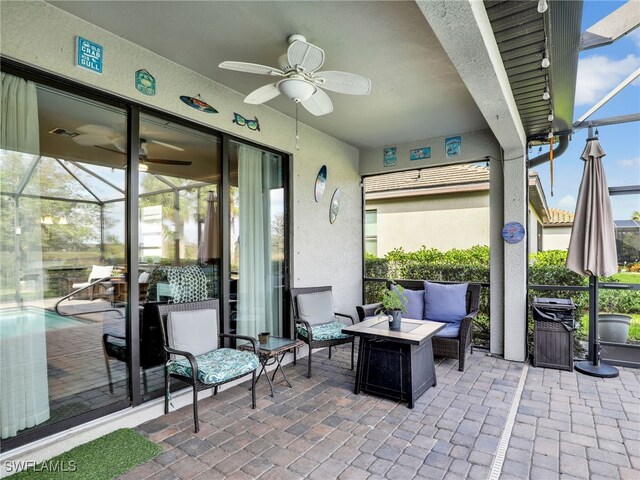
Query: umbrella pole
x=593, y=366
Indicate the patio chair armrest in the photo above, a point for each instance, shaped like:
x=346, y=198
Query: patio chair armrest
x=368, y=310
x=307, y=325
x=466, y=326
x=241, y=337
x=346, y=316
x=105, y=335
x=188, y=355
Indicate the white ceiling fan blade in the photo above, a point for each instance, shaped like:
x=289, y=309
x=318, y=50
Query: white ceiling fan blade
x=262, y=94
x=343, y=82
x=97, y=130
x=305, y=55
x=252, y=68
x=319, y=104
x=168, y=145
x=91, y=139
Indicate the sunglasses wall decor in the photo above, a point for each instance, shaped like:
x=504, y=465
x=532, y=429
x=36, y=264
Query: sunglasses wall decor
x=250, y=124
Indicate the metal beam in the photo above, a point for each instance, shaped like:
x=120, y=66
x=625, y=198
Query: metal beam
x=609, y=96
x=612, y=27
x=632, y=117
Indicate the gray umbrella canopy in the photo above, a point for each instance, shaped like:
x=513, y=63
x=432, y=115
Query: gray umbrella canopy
x=592, y=248
x=210, y=245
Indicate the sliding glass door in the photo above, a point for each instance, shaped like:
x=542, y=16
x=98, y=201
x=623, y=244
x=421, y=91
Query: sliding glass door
x=257, y=241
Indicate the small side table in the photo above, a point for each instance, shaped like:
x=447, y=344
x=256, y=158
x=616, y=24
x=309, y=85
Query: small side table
x=273, y=352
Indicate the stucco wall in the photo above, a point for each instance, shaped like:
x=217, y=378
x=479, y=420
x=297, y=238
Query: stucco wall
x=556, y=238
x=40, y=35
x=443, y=222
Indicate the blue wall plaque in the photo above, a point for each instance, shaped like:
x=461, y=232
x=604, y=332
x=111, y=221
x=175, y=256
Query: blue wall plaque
x=513, y=232
x=89, y=55
x=420, y=153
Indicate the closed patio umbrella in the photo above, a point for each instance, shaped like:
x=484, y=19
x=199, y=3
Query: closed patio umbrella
x=592, y=248
x=210, y=245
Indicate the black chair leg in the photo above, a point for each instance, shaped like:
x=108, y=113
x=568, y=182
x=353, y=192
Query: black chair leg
x=166, y=391
x=195, y=409
x=106, y=361
x=309, y=364
x=295, y=356
x=253, y=389
x=215, y=390
x=329, y=352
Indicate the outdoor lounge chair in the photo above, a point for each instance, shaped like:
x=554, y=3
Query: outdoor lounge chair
x=451, y=342
x=98, y=272
x=197, y=357
x=315, y=321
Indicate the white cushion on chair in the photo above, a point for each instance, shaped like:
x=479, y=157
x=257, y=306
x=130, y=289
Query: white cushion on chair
x=100, y=271
x=193, y=331
x=316, y=308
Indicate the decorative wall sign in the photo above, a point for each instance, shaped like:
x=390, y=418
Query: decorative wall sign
x=321, y=182
x=420, y=153
x=334, y=208
x=145, y=82
x=198, y=103
x=452, y=146
x=513, y=232
x=89, y=55
x=390, y=156
x=250, y=124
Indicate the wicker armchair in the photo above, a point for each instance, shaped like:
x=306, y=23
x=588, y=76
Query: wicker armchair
x=305, y=331
x=210, y=369
x=442, y=346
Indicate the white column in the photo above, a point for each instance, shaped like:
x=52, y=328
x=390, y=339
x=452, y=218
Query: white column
x=515, y=256
x=496, y=293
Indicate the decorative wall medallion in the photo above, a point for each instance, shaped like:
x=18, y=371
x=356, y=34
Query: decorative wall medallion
x=420, y=153
x=89, y=55
x=390, y=156
x=513, y=232
x=321, y=182
x=145, y=82
x=335, y=206
x=452, y=146
x=198, y=103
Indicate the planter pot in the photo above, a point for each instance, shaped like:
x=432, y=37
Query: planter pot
x=395, y=317
x=613, y=327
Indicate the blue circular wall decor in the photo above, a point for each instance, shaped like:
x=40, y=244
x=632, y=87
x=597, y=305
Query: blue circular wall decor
x=513, y=232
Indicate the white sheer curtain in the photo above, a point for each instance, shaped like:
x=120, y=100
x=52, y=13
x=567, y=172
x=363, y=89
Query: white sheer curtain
x=255, y=295
x=24, y=391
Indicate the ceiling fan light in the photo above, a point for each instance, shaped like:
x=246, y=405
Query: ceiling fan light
x=542, y=6
x=143, y=167
x=296, y=89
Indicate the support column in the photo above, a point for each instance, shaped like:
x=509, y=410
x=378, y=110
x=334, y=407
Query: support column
x=496, y=293
x=515, y=256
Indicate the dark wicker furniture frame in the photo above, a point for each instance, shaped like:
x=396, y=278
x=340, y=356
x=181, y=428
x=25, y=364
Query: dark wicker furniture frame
x=442, y=346
x=294, y=292
x=197, y=385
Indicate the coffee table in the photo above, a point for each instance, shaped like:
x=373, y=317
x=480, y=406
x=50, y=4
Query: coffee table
x=274, y=349
x=396, y=364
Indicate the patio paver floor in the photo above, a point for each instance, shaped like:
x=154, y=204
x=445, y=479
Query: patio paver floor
x=567, y=426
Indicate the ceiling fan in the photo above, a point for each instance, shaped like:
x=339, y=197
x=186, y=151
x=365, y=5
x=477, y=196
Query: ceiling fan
x=301, y=81
x=101, y=135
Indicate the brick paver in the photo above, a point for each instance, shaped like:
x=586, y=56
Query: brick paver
x=320, y=429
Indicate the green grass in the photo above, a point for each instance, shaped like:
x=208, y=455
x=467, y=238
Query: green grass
x=634, y=327
x=627, y=277
x=104, y=458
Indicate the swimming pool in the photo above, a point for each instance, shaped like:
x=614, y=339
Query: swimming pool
x=33, y=317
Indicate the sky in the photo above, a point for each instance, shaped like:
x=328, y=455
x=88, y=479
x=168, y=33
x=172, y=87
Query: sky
x=600, y=70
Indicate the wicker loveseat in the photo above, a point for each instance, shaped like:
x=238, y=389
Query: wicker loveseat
x=444, y=345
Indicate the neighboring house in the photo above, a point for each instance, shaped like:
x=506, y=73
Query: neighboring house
x=557, y=231
x=445, y=208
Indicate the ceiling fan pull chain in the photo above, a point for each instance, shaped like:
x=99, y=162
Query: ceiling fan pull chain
x=297, y=136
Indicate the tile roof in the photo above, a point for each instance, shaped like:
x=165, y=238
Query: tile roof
x=559, y=216
x=426, y=178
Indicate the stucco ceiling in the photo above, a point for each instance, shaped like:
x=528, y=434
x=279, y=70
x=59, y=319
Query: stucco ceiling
x=416, y=91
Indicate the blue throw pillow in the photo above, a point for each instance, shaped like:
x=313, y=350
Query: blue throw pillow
x=414, y=303
x=445, y=303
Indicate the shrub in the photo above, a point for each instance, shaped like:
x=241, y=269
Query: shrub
x=634, y=267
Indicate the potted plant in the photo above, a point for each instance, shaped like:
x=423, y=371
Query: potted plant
x=613, y=326
x=393, y=303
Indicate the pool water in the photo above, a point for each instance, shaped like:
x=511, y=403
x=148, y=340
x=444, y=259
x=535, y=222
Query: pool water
x=33, y=316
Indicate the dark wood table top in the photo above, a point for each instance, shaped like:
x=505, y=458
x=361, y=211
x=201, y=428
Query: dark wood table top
x=412, y=332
